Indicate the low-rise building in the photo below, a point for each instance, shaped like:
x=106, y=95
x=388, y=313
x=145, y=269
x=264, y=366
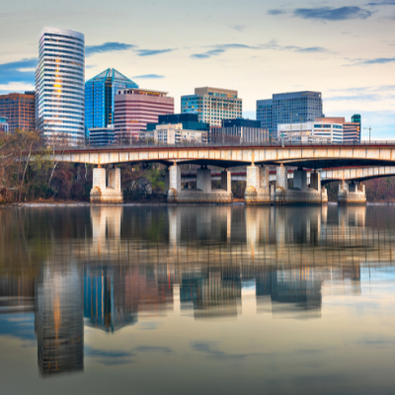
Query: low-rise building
x=239, y=130
x=175, y=134
x=101, y=137
x=3, y=125
x=311, y=132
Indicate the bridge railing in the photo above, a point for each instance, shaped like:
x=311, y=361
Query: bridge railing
x=231, y=144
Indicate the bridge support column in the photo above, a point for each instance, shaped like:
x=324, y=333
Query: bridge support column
x=174, y=183
x=226, y=181
x=203, y=179
x=257, y=188
x=100, y=193
x=300, y=193
x=281, y=185
x=352, y=193
x=315, y=181
x=300, y=179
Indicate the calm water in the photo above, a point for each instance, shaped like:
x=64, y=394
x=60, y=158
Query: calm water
x=197, y=300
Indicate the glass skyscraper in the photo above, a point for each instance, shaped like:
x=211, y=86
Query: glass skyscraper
x=60, y=77
x=294, y=107
x=99, y=98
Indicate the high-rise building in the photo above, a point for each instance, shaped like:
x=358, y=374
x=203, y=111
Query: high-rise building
x=293, y=107
x=134, y=108
x=99, y=98
x=264, y=113
x=19, y=109
x=60, y=85
x=213, y=105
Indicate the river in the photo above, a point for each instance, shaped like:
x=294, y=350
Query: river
x=197, y=300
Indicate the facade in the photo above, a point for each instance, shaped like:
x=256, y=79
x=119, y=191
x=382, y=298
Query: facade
x=351, y=130
x=212, y=105
x=264, y=113
x=19, y=109
x=99, y=98
x=287, y=108
x=176, y=134
x=101, y=137
x=135, y=108
x=311, y=132
x=3, y=125
x=60, y=85
x=188, y=121
x=239, y=131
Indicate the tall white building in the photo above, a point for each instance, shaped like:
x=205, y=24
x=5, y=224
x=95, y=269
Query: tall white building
x=60, y=85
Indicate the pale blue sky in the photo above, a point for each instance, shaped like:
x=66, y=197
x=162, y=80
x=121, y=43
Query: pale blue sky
x=346, y=50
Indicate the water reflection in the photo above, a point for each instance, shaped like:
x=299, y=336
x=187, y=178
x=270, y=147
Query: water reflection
x=109, y=267
x=59, y=323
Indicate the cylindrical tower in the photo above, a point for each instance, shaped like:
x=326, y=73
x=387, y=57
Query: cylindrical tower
x=60, y=85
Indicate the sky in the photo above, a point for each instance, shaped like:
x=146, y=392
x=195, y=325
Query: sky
x=344, y=49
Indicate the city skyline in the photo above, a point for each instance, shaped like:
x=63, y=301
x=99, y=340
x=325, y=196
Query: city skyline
x=257, y=48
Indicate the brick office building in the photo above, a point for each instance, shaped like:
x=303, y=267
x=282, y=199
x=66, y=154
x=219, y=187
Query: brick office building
x=19, y=109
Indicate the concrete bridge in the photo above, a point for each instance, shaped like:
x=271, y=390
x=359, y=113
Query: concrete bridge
x=256, y=158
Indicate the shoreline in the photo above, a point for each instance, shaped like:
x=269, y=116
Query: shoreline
x=137, y=204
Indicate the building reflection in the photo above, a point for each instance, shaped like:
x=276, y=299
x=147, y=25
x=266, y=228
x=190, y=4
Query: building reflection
x=211, y=293
x=17, y=294
x=114, y=296
x=59, y=322
x=130, y=264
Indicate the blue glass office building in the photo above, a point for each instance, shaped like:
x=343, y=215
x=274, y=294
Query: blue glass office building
x=99, y=98
x=293, y=107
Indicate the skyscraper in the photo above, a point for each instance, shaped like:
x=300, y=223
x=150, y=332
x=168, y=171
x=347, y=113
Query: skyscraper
x=18, y=108
x=60, y=85
x=213, y=105
x=293, y=107
x=99, y=98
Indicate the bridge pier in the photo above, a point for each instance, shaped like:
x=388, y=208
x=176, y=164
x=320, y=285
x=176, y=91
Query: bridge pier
x=351, y=193
x=203, y=192
x=257, y=188
x=300, y=193
x=100, y=192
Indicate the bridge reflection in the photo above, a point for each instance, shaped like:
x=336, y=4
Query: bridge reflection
x=129, y=264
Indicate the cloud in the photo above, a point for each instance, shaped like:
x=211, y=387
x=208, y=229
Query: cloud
x=157, y=349
x=19, y=71
x=239, y=28
x=17, y=87
x=377, y=61
x=152, y=52
x=272, y=45
x=149, y=76
x=234, y=46
x=332, y=14
x=94, y=352
x=378, y=3
x=276, y=12
x=107, y=47
x=23, y=328
x=208, y=54
x=206, y=348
